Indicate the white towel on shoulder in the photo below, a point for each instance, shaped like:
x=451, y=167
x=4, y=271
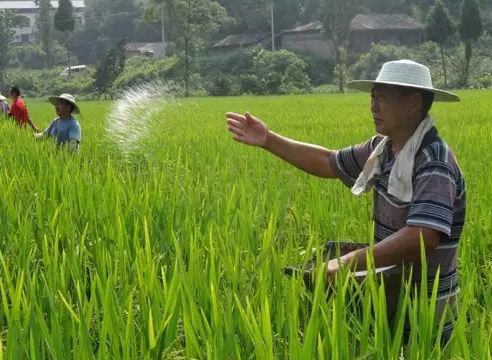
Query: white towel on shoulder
x=400, y=180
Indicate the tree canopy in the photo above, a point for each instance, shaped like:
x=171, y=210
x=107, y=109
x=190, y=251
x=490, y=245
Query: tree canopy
x=470, y=29
x=6, y=37
x=64, y=20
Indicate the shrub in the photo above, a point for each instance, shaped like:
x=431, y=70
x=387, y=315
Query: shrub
x=369, y=64
x=250, y=84
x=270, y=69
x=237, y=62
x=295, y=80
x=76, y=85
x=40, y=83
x=223, y=85
x=26, y=82
x=319, y=70
x=60, y=55
x=30, y=56
x=325, y=89
x=259, y=71
x=141, y=69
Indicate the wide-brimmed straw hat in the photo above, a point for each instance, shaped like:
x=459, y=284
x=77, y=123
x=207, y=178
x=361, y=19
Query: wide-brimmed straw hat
x=404, y=73
x=66, y=97
x=2, y=97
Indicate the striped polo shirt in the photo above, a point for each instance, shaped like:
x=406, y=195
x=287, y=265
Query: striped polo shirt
x=438, y=202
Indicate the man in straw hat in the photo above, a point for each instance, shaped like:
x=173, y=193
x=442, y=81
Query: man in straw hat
x=418, y=186
x=65, y=129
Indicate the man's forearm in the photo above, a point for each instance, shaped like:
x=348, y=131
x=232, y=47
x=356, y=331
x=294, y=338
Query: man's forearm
x=40, y=135
x=401, y=247
x=313, y=159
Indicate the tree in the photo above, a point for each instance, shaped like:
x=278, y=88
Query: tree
x=438, y=29
x=194, y=20
x=287, y=13
x=470, y=29
x=111, y=67
x=95, y=12
x=453, y=7
x=381, y=6
x=247, y=15
x=65, y=22
x=83, y=43
x=45, y=29
x=336, y=16
x=6, y=38
x=309, y=10
x=255, y=15
x=118, y=24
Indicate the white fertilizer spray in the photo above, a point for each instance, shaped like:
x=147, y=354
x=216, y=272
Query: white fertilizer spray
x=138, y=111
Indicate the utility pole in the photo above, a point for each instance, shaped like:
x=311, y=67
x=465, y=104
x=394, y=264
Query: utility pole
x=163, y=33
x=273, y=27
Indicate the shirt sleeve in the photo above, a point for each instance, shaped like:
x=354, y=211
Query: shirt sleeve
x=434, y=192
x=351, y=160
x=74, y=133
x=47, y=131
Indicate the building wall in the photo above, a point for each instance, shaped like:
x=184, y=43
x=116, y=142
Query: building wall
x=24, y=34
x=307, y=42
x=230, y=50
x=361, y=41
x=27, y=34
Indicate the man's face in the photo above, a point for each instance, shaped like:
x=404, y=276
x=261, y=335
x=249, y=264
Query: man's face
x=63, y=108
x=391, y=108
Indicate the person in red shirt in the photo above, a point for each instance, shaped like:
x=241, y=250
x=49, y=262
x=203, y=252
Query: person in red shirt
x=18, y=110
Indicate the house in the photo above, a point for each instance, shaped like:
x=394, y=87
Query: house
x=307, y=38
x=29, y=10
x=236, y=41
x=365, y=30
x=145, y=49
x=395, y=29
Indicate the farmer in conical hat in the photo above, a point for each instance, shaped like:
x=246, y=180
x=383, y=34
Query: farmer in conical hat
x=65, y=129
x=418, y=186
x=4, y=106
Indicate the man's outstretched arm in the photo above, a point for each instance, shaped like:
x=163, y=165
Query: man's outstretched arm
x=313, y=159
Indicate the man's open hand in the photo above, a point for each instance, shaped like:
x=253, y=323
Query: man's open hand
x=247, y=129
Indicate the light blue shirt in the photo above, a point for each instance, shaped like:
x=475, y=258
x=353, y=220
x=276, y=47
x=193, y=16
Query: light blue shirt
x=64, y=130
x=4, y=107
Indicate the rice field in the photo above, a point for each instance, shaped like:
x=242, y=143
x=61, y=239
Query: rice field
x=176, y=251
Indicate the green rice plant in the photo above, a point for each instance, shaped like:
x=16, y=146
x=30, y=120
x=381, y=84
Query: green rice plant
x=177, y=251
